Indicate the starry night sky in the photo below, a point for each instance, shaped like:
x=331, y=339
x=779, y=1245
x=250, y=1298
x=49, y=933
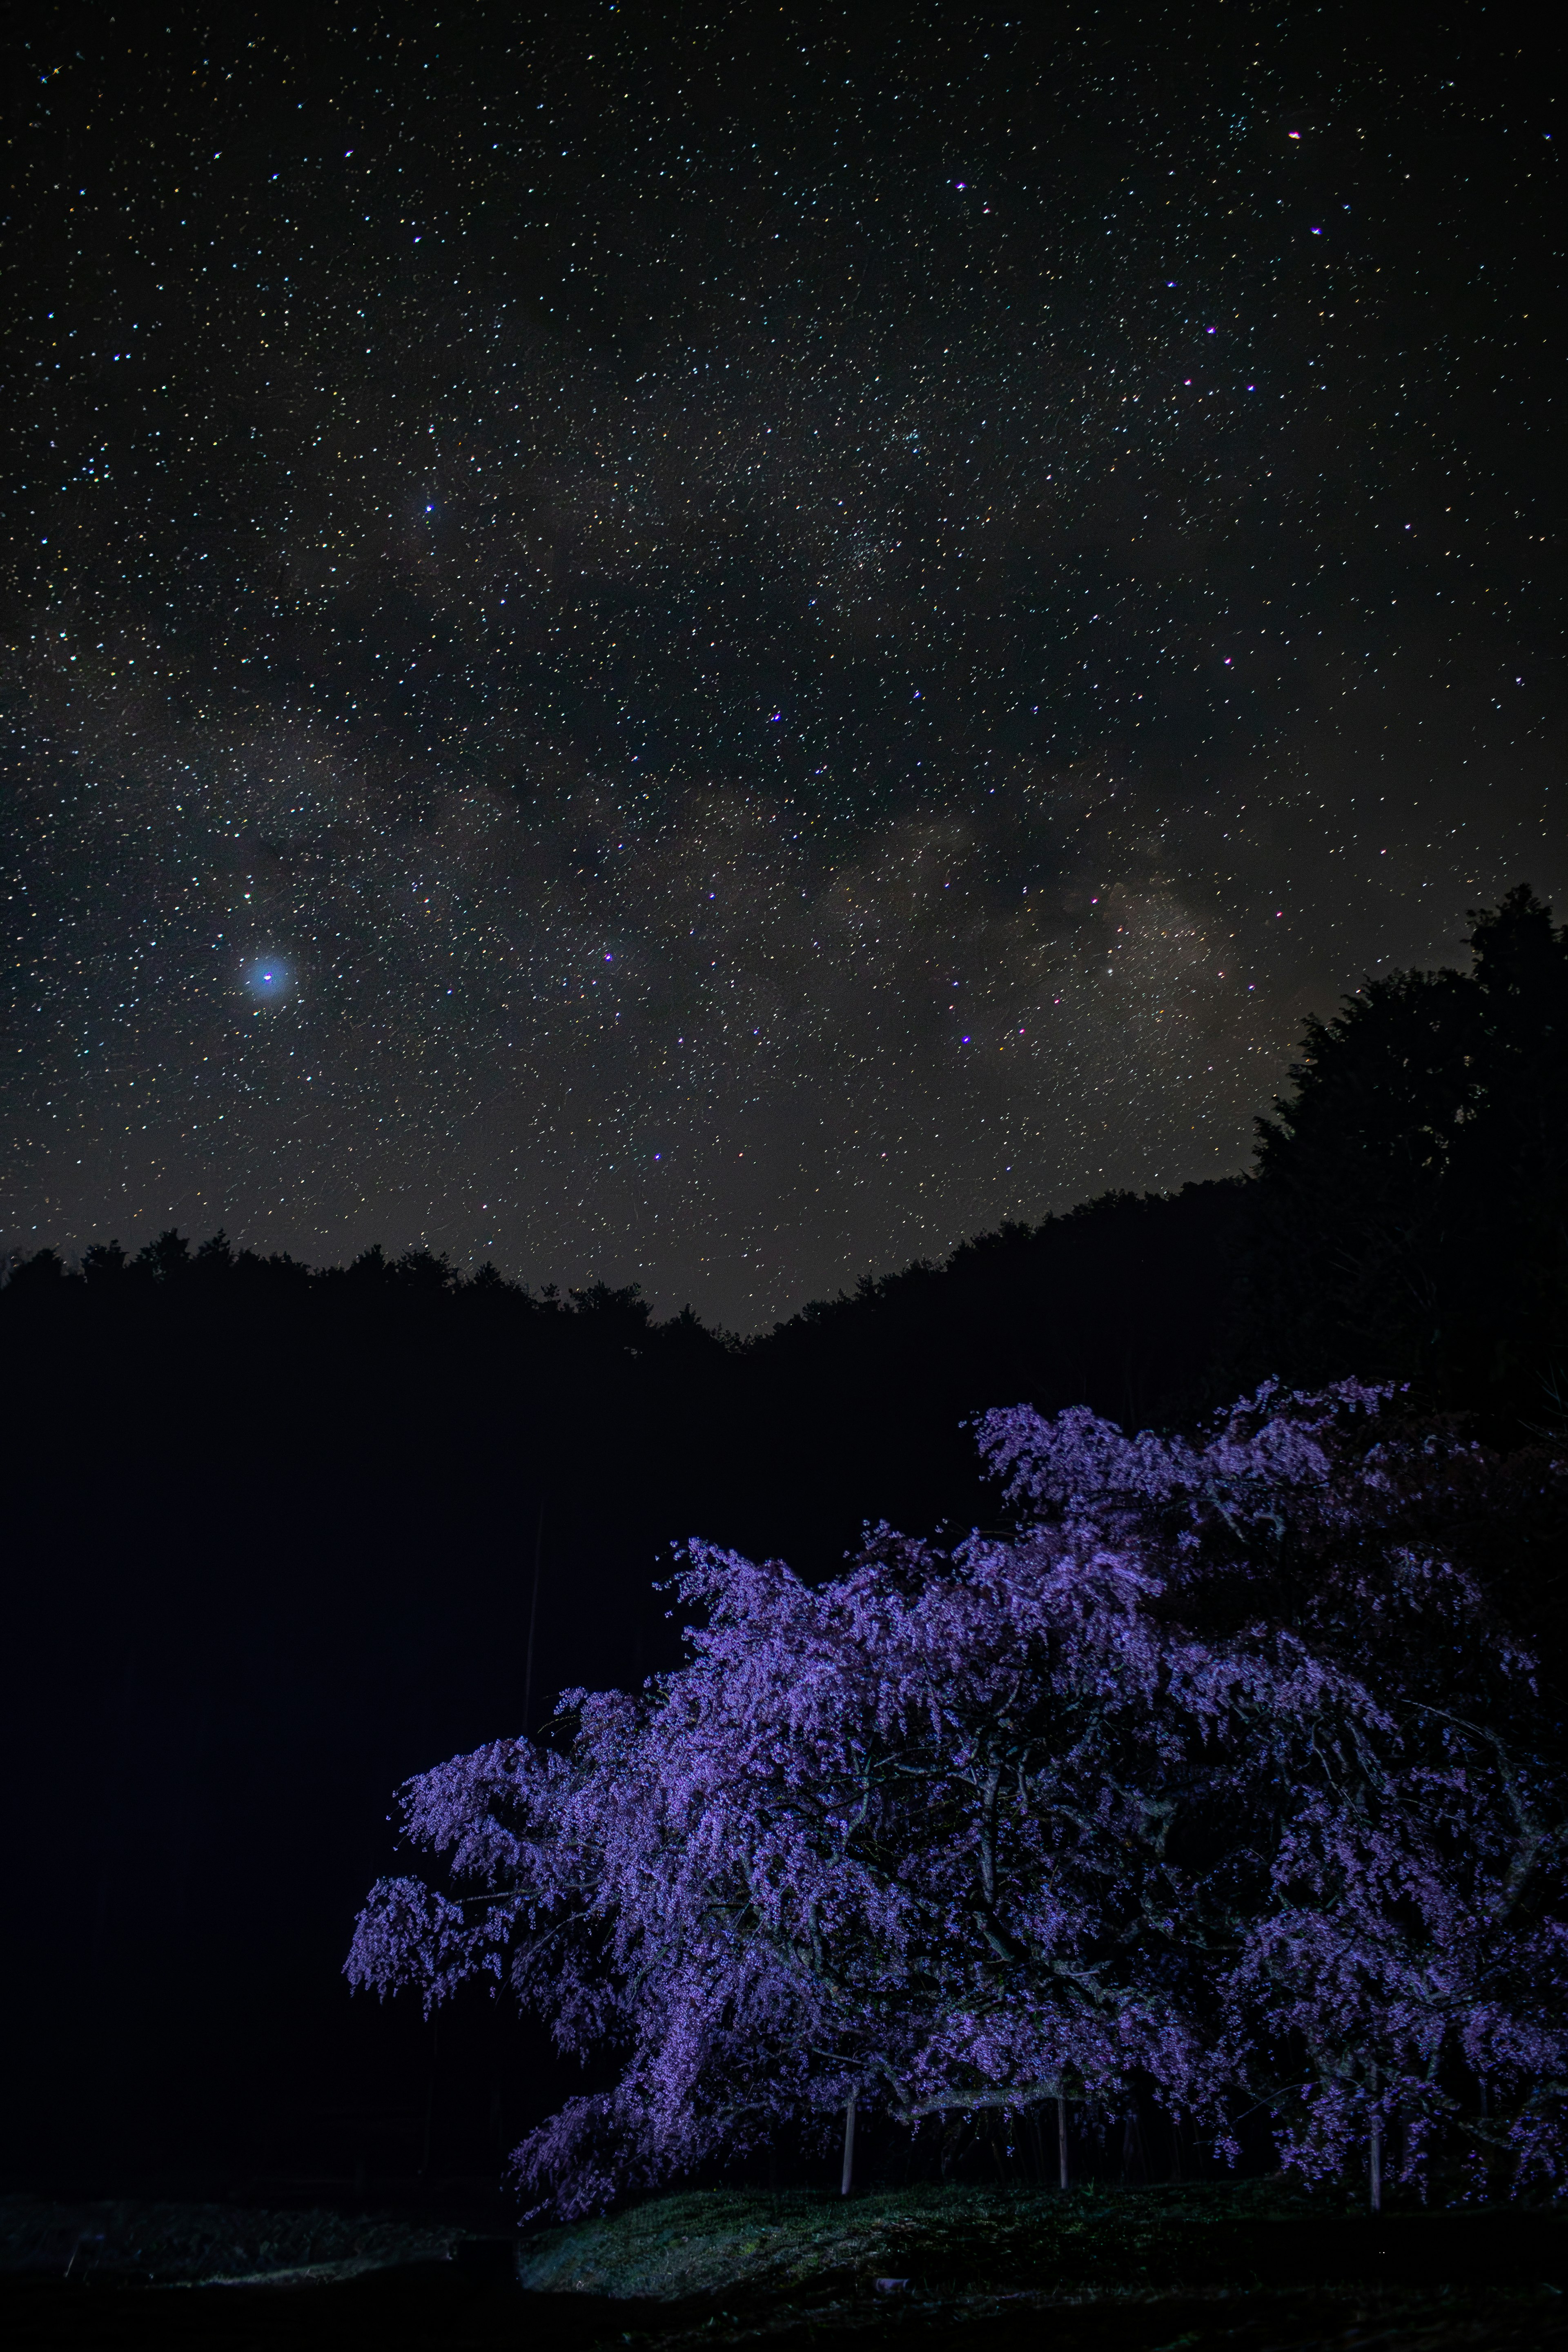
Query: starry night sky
x=720, y=646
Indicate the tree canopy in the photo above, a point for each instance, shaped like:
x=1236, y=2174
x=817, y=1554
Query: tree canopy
x=1217, y=1772
x=1410, y=1210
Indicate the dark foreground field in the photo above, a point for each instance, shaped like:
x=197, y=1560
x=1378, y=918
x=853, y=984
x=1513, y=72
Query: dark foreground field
x=1156, y=2270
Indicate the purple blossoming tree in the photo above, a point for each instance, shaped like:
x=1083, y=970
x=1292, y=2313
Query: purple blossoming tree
x=1216, y=1773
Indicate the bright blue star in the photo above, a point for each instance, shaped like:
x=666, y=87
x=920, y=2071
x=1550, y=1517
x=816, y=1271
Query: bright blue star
x=269, y=978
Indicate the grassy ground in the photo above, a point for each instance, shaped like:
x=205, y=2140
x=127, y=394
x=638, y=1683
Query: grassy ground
x=139, y=2239
x=1252, y=2268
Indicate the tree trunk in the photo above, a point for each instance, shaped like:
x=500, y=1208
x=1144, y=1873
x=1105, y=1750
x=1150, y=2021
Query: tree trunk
x=1376, y=2150
x=848, y=2148
x=1062, y=2139
x=430, y=2100
x=1134, y=2164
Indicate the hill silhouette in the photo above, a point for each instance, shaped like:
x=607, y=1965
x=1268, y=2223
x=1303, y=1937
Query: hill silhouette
x=273, y=1535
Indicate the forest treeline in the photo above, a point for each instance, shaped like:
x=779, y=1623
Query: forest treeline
x=1405, y=1219
x=278, y=1538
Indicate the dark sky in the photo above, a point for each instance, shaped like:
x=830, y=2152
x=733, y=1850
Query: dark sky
x=720, y=646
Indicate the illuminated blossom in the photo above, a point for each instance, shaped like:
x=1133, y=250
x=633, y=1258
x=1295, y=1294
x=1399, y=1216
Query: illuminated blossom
x=1213, y=1775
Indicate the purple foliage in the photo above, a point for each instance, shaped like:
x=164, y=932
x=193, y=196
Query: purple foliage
x=1216, y=1773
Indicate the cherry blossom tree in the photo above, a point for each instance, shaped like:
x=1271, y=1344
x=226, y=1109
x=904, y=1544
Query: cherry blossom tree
x=1214, y=1774
x=1376, y=1872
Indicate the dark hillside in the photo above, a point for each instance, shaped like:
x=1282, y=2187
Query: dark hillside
x=1121, y=1305
x=271, y=1538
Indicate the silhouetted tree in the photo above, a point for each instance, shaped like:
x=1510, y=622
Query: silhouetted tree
x=166, y=1259
x=35, y=1279
x=1410, y=1212
x=103, y=1262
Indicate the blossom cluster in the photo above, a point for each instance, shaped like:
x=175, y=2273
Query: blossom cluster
x=1214, y=1775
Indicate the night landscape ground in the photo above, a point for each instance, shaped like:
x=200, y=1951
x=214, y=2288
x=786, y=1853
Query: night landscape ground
x=1143, y=2271
x=783, y=1178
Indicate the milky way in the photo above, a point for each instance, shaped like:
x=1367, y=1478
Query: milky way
x=717, y=649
